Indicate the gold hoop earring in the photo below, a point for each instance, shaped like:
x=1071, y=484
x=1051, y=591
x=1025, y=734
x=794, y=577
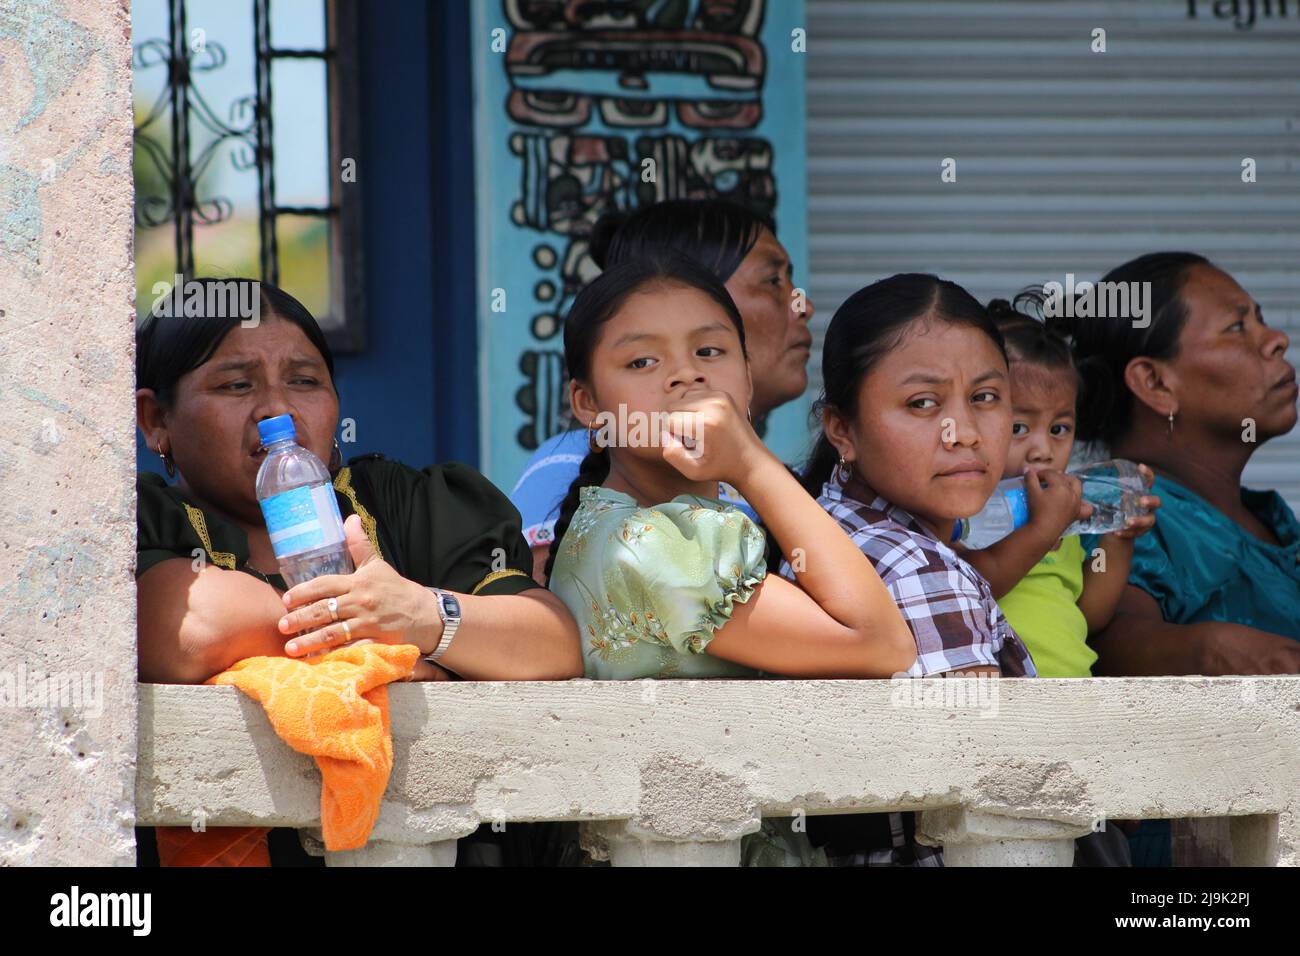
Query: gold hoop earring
x=844, y=471
x=592, y=444
x=168, y=465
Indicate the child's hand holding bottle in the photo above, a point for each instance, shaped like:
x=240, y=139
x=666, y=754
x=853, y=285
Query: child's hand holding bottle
x=1137, y=526
x=1055, y=502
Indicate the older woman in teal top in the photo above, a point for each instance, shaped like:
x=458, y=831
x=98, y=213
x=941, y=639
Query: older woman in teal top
x=1193, y=388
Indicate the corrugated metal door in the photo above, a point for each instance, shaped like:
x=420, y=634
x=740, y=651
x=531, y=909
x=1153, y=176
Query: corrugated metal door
x=1067, y=160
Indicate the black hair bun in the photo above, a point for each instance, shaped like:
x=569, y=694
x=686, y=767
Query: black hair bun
x=1059, y=322
x=1101, y=399
x=602, y=235
x=1000, y=309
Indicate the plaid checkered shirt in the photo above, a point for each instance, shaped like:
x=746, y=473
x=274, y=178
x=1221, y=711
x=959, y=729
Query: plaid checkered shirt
x=948, y=605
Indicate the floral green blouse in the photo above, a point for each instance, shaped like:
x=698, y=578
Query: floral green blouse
x=649, y=586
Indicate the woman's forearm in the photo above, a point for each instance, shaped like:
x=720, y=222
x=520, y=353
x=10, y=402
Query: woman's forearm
x=195, y=624
x=1134, y=646
x=527, y=636
x=827, y=564
x=1140, y=643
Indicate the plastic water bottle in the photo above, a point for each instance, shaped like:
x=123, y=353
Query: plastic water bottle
x=298, y=504
x=1113, y=488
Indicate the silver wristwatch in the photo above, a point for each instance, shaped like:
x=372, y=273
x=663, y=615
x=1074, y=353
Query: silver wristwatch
x=449, y=611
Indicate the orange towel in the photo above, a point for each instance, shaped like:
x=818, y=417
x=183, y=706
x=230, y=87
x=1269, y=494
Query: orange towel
x=335, y=708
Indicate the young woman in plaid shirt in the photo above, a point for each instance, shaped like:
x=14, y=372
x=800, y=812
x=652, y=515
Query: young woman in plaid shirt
x=916, y=416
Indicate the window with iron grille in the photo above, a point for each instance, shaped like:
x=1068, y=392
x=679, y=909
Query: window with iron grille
x=246, y=150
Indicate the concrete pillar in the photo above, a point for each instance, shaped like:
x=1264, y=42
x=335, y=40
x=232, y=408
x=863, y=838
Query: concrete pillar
x=67, y=413
x=621, y=845
x=978, y=838
x=1256, y=840
x=1284, y=847
x=638, y=852
x=1202, y=841
x=384, y=853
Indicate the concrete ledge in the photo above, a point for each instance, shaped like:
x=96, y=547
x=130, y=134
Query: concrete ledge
x=692, y=761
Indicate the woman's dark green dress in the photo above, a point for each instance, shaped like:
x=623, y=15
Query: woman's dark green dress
x=444, y=526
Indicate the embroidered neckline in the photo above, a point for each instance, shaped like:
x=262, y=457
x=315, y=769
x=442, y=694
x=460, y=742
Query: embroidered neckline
x=623, y=498
x=343, y=485
x=222, y=559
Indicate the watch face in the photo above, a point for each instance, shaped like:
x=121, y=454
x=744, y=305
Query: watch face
x=451, y=605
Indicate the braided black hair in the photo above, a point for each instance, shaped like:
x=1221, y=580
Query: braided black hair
x=593, y=471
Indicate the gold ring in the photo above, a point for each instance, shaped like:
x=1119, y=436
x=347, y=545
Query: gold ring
x=347, y=632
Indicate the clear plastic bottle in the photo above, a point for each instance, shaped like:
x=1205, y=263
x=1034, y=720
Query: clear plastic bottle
x=1113, y=488
x=298, y=504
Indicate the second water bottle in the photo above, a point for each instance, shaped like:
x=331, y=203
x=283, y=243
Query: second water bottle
x=1114, y=489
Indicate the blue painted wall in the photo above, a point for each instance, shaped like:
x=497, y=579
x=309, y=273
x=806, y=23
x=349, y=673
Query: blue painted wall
x=412, y=392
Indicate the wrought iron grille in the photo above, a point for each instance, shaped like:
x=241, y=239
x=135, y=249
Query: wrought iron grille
x=165, y=137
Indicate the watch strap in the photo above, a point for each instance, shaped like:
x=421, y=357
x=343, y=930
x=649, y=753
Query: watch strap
x=450, y=624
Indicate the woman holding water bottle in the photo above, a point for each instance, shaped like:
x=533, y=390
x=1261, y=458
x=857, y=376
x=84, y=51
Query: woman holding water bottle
x=209, y=585
x=438, y=555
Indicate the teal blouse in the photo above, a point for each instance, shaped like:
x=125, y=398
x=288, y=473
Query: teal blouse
x=1200, y=565
x=649, y=586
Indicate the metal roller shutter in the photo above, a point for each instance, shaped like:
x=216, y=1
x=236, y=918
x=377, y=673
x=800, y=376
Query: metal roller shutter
x=1067, y=160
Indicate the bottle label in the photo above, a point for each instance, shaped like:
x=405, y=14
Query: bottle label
x=1018, y=504
x=303, y=519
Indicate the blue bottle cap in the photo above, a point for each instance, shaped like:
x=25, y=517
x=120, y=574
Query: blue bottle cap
x=276, y=429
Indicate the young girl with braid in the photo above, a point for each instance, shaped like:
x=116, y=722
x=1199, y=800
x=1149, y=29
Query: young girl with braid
x=665, y=580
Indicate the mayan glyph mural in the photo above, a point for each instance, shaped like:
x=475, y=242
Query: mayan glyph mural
x=583, y=107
